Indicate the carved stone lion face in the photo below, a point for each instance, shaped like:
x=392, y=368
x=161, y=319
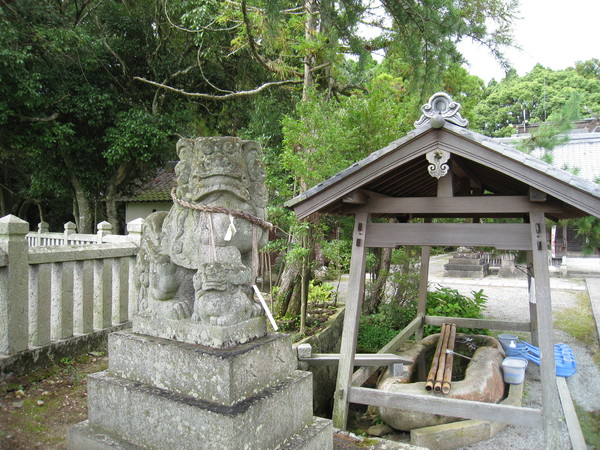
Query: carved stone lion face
x=226, y=170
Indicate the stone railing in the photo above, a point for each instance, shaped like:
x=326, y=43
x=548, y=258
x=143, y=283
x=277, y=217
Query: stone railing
x=43, y=237
x=56, y=293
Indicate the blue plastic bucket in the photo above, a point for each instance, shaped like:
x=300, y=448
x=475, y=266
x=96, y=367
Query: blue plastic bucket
x=514, y=370
x=516, y=349
x=506, y=339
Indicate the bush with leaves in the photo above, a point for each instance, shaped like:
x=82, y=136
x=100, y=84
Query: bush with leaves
x=378, y=329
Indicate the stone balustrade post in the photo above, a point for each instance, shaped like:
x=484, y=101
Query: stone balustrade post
x=14, y=282
x=70, y=228
x=134, y=230
x=43, y=227
x=104, y=229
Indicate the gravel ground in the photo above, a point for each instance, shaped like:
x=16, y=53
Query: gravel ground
x=508, y=300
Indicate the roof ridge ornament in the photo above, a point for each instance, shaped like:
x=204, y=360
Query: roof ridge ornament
x=439, y=109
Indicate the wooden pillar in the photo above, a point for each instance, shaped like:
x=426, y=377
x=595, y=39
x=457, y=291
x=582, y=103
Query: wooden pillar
x=533, y=322
x=423, y=281
x=356, y=288
x=543, y=308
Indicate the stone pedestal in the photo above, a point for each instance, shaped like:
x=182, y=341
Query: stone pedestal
x=466, y=266
x=160, y=393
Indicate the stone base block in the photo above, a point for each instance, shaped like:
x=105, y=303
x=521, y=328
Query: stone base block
x=465, y=432
x=316, y=436
x=151, y=417
x=200, y=333
x=465, y=273
x=225, y=376
x=468, y=267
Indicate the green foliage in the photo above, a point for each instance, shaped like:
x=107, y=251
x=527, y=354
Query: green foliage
x=372, y=337
x=320, y=293
x=589, y=229
x=325, y=136
x=378, y=329
x=535, y=97
x=451, y=303
x=552, y=133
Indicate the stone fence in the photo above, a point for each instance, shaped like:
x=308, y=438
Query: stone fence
x=52, y=293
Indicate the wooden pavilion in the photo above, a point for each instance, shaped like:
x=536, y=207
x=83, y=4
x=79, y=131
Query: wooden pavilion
x=442, y=170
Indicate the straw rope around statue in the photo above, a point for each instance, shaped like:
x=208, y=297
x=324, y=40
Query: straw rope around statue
x=219, y=209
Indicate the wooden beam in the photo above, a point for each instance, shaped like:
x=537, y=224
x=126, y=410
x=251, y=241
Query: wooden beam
x=356, y=288
x=504, y=236
x=363, y=374
x=485, y=324
x=535, y=195
x=360, y=359
x=356, y=197
x=550, y=400
x=481, y=205
x=433, y=404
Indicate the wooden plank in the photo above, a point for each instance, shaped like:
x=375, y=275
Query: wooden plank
x=575, y=433
x=360, y=359
x=434, y=404
x=550, y=400
x=481, y=205
x=505, y=236
x=363, y=374
x=356, y=288
x=486, y=324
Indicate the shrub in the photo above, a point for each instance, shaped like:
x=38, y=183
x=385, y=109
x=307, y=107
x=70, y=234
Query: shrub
x=378, y=329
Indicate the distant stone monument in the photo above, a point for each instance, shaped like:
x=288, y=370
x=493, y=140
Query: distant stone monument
x=199, y=369
x=466, y=263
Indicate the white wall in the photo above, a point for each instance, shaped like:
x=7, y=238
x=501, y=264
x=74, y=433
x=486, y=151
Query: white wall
x=141, y=210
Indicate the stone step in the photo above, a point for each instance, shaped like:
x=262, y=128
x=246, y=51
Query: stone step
x=465, y=274
x=225, y=376
x=469, y=267
x=316, y=436
x=152, y=417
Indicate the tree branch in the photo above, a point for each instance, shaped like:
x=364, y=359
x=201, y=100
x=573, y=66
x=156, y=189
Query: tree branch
x=219, y=97
x=49, y=118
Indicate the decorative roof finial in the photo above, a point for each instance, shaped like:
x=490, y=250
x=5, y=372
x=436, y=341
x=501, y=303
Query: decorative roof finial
x=440, y=109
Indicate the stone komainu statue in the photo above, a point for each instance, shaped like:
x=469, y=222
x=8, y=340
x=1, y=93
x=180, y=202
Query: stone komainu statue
x=198, y=261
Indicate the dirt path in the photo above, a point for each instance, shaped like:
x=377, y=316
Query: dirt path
x=37, y=410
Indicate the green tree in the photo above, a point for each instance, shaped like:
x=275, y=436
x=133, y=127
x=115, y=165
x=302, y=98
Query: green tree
x=533, y=98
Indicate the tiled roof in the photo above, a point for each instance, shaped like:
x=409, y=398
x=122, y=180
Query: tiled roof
x=581, y=152
x=157, y=189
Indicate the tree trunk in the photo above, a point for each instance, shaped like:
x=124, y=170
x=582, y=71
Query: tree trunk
x=378, y=288
x=310, y=30
x=289, y=279
x=82, y=211
x=110, y=199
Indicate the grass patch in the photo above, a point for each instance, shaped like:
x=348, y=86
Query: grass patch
x=578, y=321
x=590, y=426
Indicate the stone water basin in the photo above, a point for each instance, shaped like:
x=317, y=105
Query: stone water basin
x=481, y=380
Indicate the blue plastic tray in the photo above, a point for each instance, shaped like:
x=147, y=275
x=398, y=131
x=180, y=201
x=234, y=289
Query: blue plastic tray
x=563, y=356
